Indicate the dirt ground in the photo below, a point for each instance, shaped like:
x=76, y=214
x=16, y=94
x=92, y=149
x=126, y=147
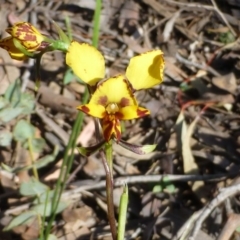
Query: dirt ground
x=189, y=187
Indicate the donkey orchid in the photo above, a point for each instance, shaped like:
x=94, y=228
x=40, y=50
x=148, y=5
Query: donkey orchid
x=24, y=38
x=113, y=99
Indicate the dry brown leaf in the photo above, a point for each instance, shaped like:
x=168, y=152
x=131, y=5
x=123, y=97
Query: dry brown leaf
x=134, y=45
x=189, y=164
x=10, y=72
x=83, y=231
x=83, y=214
x=226, y=82
x=86, y=134
x=169, y=26
x=22, y=159
x=94, y=167
x=173, y=71
x=9, y=181
x=129, y=15
x=32, y=230
x=54, y=173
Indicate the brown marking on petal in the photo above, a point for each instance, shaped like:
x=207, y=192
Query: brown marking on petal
x=110, y=127
x=103, y=100
x=30, y=37
x=107, y=125
x=24, y=27
x=9, y=30
x=124, y=102
x=107, y=132
x=142, y=113
x=119, y=115
x=25, y=32
x=3, y=44
x=117, y=131
x=106, y=136
x=84, y=109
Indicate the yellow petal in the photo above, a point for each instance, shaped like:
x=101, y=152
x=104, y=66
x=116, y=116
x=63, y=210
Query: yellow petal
x=113, y=90
x=146, y=70
x=132, y=112
x=15, y=53
x=111, y=127
x=93, y=110
x=29, y=36
x=86, y=62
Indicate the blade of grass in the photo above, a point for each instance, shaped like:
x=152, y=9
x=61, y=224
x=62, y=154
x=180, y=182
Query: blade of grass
x=96, y=23
x=122, y=213
x=69, y=30
x=66, y=165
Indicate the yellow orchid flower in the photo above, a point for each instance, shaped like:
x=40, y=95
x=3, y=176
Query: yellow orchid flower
x=113, y=99
x=144, y=71
x=24, y=37
x=14, y=52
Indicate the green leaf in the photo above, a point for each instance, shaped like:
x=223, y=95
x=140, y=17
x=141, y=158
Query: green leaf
x=42, y=162
x=38, y=144
x=46, y=209
x=141, y=150
x=5, y=138
x=6, y=167
x=45, y=197
x=27, y=103
x=168, y=185
x=87, y=151
x=157, y=188
x=3, y=102
x=13, y=93
x=20, y=47
x=62, y=36
x=122, y=217
x=148, y=148
x=237, y=229
x=23, y=130
x=33, y=188
x=69, y=28
x=21, y=219
x=7, y=114
x=52, y=237
x=170, y=188
x=68, y=77
x=226, y=37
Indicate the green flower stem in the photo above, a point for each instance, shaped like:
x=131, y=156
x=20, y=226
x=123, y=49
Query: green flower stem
x=109, y=153
x=59, y=45
x=106, y=159
x=108, y=163
x=122, y=213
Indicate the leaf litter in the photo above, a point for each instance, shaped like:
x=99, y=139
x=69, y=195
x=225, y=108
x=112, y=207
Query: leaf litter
x=194, y=123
